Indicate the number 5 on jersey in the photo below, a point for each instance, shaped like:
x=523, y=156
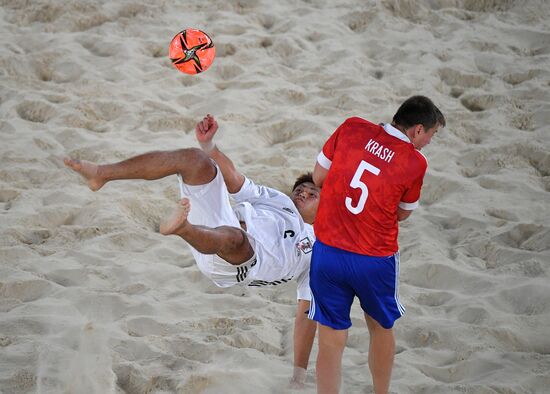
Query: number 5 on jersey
x=356, y=183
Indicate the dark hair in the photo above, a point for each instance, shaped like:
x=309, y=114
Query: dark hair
x=307, y=177
x=418, y=110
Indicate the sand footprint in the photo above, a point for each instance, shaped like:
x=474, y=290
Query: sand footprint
x=503, y=214
x=25, y=289
x=225, y=49
x=281, y=132
x=518, y=77
x=98, y=47
x=187, y=348
x=528, y=42
x=267, y=21
x=358, y=22
x=286, y=96
x=437, y=188
x=522, y=155
x=133, y=10
x=229, y=71
x=22, y=381
x=145, y=326
x=421, y=337
x=445, y=278
x=434, y=298
x=471, y=133
x=482, y=102
x=221, y=326
x=453, y=77
x=49, y=67
x=251, y=340
x=531, y=298
x=527, y=236
x=172, y=123
x=35, y=111
x=472, y=315
x=523, y=121
x=85, y=17
x=7, y=197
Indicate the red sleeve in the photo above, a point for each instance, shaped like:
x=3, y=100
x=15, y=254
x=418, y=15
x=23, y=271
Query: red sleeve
x=411, y=197
x=327, y=153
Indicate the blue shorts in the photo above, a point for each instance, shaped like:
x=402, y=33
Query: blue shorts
x=336, y=276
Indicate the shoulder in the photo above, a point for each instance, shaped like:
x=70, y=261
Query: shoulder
x=357, y=121
x=416, y=164
x=422, y=160
x=356, y=127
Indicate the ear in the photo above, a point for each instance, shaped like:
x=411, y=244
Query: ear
x=418, y=129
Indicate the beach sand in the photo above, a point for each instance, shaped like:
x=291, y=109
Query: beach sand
x=94, y=300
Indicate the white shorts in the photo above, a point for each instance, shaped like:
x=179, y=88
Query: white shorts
x=210, y=207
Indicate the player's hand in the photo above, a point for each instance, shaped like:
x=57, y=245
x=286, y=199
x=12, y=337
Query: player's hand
x=205, y=131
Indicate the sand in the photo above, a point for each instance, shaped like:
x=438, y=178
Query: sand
x=94, y=300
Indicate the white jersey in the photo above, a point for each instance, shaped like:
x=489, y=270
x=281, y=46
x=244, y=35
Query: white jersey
x=282, y=242
x=281, y=239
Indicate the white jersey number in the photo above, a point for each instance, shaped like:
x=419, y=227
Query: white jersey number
x=356, y=183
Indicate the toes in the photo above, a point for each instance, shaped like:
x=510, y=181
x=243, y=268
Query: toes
x=71, y=163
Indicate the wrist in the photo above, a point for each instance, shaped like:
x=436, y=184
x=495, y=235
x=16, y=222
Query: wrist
x=207, y=147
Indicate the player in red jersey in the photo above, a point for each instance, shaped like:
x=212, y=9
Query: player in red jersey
x=371, y=176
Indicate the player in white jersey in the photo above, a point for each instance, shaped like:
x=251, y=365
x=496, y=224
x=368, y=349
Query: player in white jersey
x=266, y=238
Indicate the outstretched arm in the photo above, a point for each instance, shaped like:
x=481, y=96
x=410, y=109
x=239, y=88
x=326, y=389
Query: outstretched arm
x=205, y=131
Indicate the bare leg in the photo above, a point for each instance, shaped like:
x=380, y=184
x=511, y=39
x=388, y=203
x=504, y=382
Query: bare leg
x=329, y=360
x=230, y=243
x=381, y=354
x=304, y=335
x=194, y=165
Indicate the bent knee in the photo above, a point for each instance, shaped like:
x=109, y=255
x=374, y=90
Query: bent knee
x=196, y=166
x=235, y=237
x=235, y=241
x=193, y=155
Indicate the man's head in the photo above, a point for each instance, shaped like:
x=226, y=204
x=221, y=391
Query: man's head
x=305, y=195
x=419, y=119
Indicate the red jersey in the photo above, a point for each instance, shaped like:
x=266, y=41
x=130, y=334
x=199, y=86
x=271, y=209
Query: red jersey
x=374, y=169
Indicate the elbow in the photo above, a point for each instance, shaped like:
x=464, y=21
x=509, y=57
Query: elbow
x=403, y=214
x=319, y=175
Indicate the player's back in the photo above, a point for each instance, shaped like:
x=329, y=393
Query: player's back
x=373, y=170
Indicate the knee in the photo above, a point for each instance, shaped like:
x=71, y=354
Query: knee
x=235, y=238
x=195, y=166
x=193, y=155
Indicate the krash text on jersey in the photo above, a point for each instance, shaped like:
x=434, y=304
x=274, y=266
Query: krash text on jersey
x=379, y=150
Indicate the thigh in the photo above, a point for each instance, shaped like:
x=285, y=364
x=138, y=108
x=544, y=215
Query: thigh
x=376, y=286
x=332, y=296
x=210, y=205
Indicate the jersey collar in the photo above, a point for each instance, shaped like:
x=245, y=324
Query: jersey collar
x=396, y=133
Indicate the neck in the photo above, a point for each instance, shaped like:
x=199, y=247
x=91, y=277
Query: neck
x=402, y=129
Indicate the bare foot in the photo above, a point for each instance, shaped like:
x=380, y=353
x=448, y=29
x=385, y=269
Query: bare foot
x=88, y=170
x=177, y=220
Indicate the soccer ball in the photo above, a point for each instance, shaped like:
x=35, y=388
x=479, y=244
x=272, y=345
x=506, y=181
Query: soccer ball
x=192, y=51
